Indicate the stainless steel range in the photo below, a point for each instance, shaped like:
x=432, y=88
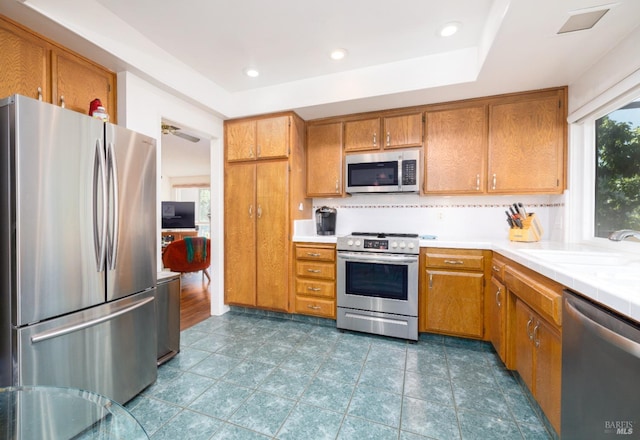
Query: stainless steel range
x=378, y=283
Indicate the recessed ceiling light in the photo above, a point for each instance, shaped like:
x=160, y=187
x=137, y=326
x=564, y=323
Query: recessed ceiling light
x=449, y=29
x=251, y=72
x=338, y=54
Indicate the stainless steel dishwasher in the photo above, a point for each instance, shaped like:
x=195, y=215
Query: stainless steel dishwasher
x=600, y=372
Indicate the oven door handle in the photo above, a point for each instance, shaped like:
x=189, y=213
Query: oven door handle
x=386, y=258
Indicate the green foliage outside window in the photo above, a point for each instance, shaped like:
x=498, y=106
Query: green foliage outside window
x=617, y=192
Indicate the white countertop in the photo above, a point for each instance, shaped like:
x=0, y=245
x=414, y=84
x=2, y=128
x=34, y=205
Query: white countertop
x=609, y=277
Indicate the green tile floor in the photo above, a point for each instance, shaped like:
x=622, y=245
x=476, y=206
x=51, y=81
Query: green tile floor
x=243, y=376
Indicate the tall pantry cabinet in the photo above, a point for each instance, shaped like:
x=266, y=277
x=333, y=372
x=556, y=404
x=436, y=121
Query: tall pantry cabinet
x=263, y=195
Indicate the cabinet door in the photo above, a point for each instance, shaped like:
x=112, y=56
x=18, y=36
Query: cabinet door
x=25, y=63
x=324, y=160
x=362, y=135
x=524, y=322
x=456, y=150
x=241, y=140
x=526, y=145
x=77, y=82
x=496, y=319
x=548, y=370
x=272, y=245
x=272, y=136
x=455, y=302
x=240, y=234
x=403, y=131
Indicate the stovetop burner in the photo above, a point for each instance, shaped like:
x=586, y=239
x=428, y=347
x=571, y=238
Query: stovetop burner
x=383, y=234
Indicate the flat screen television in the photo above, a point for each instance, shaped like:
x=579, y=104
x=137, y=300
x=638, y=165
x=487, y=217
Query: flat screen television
x=178, y=215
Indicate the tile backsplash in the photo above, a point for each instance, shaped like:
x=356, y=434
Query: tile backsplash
x=451, y=217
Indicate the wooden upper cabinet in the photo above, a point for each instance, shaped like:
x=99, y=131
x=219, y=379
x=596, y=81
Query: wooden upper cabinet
x=456, y=150
x=241, y=140
x=527, y=142
x=25, y=63
x=77, y=82
x=258, y=139
x=403, y=131
x=272, y=137
x=324, y=160
x=362, y=135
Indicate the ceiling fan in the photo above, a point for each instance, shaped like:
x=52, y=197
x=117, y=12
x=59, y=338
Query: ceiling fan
x=175, y=131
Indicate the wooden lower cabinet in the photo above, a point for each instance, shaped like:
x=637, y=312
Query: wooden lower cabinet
x=496, y=323
x=315, y=280
x=538, y=359
x=452, y=291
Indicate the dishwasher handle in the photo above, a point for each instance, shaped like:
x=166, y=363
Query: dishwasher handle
x=606, y=334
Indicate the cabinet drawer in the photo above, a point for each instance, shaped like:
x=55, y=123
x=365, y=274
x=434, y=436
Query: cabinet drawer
x=497, y=267
x=314, y=306
x=306, y=287
x=313, y=269
x=455, y=261
x=540, y=293
x=316, y=254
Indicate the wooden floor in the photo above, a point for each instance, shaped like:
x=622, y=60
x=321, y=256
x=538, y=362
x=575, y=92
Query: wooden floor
x=195, y=299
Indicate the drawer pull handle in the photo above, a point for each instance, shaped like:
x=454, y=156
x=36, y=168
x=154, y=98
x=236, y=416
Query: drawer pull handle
x=430, y=281
x=496, y=269
x=477, y=182
x=375, y=141
x=314, y=289
x=314, y=270
x=498, y=297
x=494, y=182
x=453, y=262
x=536, y=339
x=313, y=254
x=313, y=307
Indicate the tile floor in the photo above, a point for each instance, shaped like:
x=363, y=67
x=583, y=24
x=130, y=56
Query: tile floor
x=242, y=376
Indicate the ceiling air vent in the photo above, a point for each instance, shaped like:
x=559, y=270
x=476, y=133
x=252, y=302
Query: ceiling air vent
x=579, y=21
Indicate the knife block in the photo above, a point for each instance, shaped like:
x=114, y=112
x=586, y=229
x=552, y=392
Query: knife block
x=531, y=230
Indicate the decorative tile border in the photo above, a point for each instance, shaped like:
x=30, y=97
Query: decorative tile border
x=529, y=206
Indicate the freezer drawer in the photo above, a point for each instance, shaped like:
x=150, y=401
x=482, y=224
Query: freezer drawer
x=109, y=349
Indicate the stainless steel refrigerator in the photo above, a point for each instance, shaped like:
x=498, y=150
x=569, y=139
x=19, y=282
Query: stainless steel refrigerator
x=77, y=251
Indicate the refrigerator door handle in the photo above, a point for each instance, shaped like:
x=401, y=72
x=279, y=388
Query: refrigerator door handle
x=99, y=185
x=84, y=325
x=115, y=208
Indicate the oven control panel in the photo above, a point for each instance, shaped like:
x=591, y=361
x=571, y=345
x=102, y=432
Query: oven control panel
x=389, y=245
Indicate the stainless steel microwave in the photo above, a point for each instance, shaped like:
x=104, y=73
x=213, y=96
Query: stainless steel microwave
x=385, y=172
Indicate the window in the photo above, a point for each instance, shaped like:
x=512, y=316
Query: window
x=202, y=197
x=617, y=174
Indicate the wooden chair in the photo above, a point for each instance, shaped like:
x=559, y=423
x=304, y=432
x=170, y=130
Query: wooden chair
x=175, y=257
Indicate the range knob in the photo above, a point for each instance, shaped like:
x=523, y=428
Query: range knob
x=402, y=245
x=394, y=244
x=350, y=242
x=357, y=242
x=411, y=245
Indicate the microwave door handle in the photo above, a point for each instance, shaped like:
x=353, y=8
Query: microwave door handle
x=400, y=174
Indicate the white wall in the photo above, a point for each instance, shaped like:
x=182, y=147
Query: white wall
x=141, y=107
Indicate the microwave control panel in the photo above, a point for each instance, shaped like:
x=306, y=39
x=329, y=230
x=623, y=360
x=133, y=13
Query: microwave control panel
x=409, y=172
